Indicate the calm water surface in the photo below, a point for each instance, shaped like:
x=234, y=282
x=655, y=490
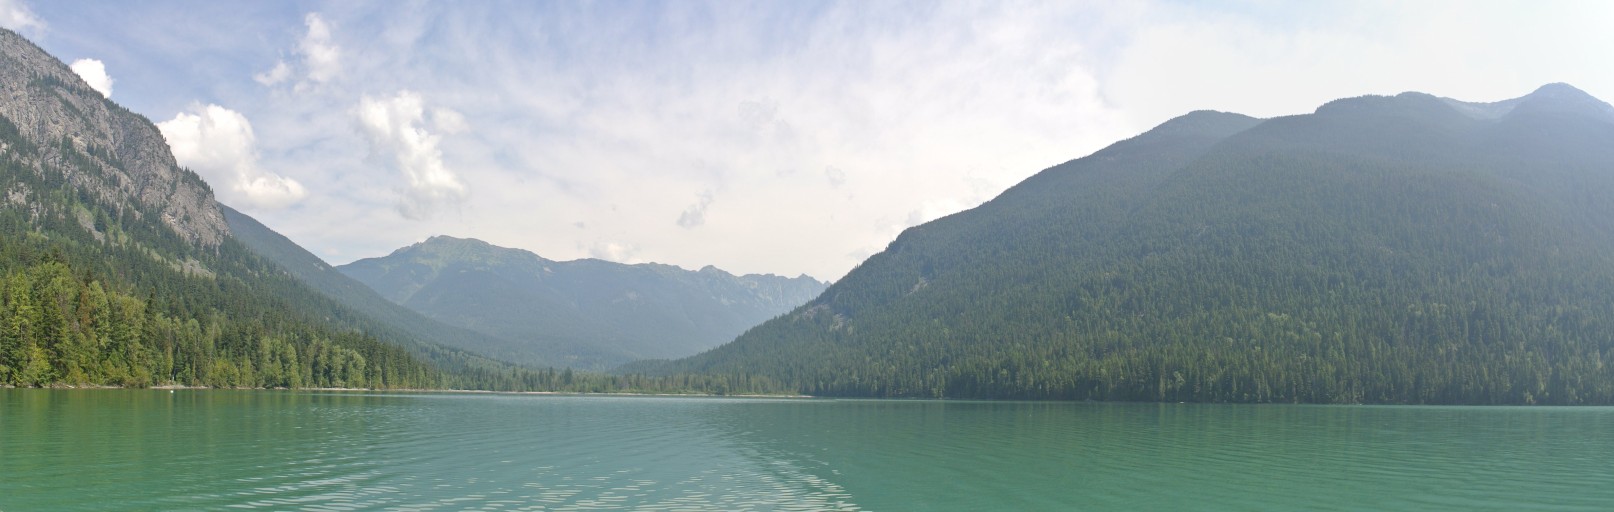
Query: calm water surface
x=140, y=449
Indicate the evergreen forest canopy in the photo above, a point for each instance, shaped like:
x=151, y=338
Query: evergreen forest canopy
x=1407, y=249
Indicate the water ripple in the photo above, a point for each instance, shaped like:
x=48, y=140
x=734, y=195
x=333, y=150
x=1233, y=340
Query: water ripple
x=340, y=452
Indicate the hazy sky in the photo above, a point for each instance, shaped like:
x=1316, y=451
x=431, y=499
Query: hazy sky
x=777, y=137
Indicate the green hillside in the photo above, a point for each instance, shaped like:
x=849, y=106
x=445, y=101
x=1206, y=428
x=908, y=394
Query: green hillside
x=1406, y=249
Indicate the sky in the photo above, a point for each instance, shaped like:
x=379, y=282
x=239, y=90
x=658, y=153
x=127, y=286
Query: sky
x=778, y=137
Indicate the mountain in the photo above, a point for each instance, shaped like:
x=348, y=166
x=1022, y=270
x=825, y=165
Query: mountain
x=598, y=312
x=118, y=268
x=377, y=314
x=1405, y=249
x=113, y=156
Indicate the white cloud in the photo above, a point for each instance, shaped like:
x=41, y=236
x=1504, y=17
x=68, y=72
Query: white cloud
x=758, y=115
x=396, y=129
x=94, y=73
x=826, y=129
x=813, y=132
x=614, y=251
x=280, y=73
x=218, y=143
x=15, y=15
x=321, y=58
x=836, y=176
x=448, y=122
x=695, y=215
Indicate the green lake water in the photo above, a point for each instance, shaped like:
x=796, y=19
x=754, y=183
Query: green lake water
x=213, y=450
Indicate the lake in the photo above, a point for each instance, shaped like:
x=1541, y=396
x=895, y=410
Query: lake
x=204, y=449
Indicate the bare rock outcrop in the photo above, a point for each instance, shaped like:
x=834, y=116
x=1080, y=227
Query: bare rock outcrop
x=118, y=156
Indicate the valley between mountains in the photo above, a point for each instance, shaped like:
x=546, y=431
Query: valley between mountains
x=1407, y=249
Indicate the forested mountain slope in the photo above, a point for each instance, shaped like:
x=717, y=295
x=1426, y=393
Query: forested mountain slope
x=116, y=266
x=592, y=313
x=1406, y=249
x=365, y=305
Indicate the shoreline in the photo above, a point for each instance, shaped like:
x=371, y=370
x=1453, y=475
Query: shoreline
x=177, y=387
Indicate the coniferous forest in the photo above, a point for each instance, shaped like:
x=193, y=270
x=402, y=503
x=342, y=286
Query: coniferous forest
x=1408, y=249
x=1404, y=249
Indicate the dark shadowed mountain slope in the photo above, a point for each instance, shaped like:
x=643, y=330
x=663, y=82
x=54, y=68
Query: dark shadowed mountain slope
x=598, y=312
x=1405, y=249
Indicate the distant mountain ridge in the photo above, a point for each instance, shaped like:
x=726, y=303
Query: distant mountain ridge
x=604, y=313
x=396, y=322
x=1383, y=249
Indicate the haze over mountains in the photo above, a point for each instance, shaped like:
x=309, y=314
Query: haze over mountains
x=117, y=267
x=598, y=313
x=1406, y=249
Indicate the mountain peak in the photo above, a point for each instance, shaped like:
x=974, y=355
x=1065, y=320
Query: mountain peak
x=1562, y=98
x=1555, y=97
x=1558, y=90
x=452, y=241
x=1402, y=105
x=456, y=245
x=1204, y=121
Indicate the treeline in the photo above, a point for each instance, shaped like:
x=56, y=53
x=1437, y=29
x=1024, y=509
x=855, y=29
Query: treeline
x=63, y=326
x=566, y=380
x=1384, y=258
x=60, y=328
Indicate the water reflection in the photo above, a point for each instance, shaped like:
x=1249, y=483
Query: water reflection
x=924, y=455
x=93, y=450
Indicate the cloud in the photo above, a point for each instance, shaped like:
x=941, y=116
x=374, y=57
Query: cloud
x=396, y=129
x=15, y=15
x=280, y=73
x=695, y=215
x=837, y=177
x=757, y=115
x=869, y=112
x=447, y=121
x=321, y=58
x=828, y=128
x=619, y=252
x=218, y=143
x=94, y=73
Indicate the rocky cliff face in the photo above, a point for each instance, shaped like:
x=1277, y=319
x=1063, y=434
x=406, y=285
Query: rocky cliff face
x=116, y=155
